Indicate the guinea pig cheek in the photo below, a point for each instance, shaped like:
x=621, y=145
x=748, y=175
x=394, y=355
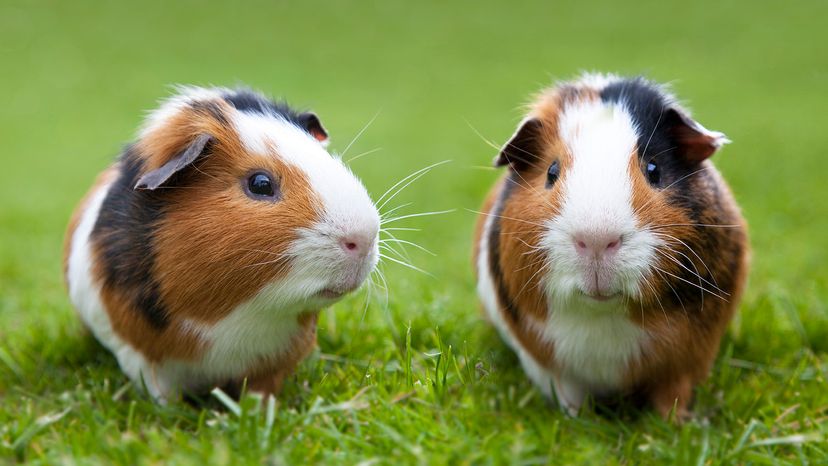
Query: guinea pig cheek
x=663, y=225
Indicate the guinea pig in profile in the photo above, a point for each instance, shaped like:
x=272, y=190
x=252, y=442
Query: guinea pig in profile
x=611, y=256
x=202, y=256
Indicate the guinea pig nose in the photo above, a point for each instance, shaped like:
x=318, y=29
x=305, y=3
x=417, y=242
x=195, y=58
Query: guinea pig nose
x=597, y=245
x=356, y=244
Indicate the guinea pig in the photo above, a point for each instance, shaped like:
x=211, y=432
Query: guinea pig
x=611, y=256
x=202, y=256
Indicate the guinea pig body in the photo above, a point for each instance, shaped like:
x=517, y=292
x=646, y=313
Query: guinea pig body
x=201, y=257
x=612, y=255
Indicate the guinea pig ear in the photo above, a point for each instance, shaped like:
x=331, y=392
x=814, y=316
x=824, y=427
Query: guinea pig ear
x=524, y=147
x=310, y=123
x=161, y=175
x=696, y=143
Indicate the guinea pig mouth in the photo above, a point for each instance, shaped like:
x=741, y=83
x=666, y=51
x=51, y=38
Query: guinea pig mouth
x=328, y=293
x=335, y=293
x=601, y=297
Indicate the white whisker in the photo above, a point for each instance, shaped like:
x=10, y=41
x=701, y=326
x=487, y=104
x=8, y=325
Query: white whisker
x=403, y=206
x=385, y=247
x=358, y=156
x=382, y=230
x=508, y=218
x=398, y=183
x=704, y=225
x=695, y=274
x=640, y=209
x=408, y=183
x=692, y=251
x=409, y=243
x=690, y=283
x=371, y=121
x=405, y=264
x=421, y=214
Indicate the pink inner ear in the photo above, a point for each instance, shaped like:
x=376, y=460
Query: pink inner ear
x=319, y=135
x=698, y=143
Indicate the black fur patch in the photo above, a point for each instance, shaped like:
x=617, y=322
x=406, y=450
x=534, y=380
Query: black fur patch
x=654, y=121
x=509, y=184
x=123, y=235
x=248, y=101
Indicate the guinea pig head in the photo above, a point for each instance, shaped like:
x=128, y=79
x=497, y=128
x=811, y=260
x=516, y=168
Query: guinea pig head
x=602, y=182
x=250, y=206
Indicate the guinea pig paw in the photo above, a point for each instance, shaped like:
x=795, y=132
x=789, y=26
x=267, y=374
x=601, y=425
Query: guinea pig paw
x=570, y=395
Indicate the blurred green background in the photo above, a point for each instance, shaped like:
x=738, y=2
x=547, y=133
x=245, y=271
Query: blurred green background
x=79, y=76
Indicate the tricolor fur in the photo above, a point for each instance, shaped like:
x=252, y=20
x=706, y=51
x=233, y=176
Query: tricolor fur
x=188, y=279
x=611, y=256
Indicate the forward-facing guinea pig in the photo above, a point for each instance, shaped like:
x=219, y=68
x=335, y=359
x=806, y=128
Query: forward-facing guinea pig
x=612, y=255
x=202, y=256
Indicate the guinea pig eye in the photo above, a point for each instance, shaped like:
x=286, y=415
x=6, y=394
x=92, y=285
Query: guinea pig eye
x=653, y=173
x=552, y=174
x=261, y=186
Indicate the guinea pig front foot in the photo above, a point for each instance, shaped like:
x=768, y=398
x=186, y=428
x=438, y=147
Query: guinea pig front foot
x=671, y=398
x=266, y=384
x=570, y=394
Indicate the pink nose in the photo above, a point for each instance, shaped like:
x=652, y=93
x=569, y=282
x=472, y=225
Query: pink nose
x=356, y=244
x=597, y=245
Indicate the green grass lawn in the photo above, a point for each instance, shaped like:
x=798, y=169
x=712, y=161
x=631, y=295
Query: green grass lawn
x=418, y=377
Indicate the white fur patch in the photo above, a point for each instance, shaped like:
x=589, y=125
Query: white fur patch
x=598, y=190
x=594, y=345
x=260, y=328
x=597, y=81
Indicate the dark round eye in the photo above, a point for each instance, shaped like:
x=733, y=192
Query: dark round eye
x=260, y=185
x=653, y=174
x=552, y=174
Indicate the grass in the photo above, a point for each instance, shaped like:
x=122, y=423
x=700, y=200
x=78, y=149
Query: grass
x=419, y=378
